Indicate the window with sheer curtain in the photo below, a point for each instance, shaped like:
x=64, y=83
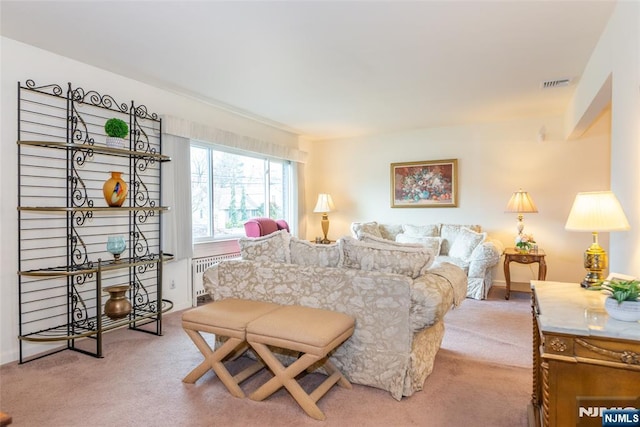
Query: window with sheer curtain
x=228, y=188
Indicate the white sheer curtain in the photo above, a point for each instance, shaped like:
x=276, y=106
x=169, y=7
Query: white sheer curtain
x=176, y=139
x=176, y=193
x=198, y=131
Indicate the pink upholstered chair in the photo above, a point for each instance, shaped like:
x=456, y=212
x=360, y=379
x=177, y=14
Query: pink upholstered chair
x=257, y=227
x=282, y=225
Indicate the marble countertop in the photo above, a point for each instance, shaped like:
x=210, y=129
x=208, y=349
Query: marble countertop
x=570, y=309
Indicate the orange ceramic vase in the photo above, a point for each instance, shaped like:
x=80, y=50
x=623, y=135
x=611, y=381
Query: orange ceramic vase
x=115, y=190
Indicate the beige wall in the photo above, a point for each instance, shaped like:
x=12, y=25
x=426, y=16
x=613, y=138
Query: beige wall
x=494, y=160
x=625, y=133
x=613, y=75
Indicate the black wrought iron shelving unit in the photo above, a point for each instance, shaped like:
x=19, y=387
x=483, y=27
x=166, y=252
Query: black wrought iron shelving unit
x=64, y=222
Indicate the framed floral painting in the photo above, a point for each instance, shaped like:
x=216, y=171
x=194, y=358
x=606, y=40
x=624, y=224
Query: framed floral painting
x=427, y=184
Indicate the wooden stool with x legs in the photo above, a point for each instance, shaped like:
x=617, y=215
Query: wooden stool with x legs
x=225, y=318
x=311, y=331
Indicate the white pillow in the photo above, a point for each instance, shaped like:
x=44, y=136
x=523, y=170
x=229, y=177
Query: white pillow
x=369, y=256
x=431, y=243
x=360, y=228
x=465, y=243
x=370, y=238
x=273, y=247
x=449, y=234
x=430, y=230
x=307, y=253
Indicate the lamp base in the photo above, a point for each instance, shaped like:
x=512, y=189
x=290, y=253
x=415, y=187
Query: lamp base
x=591, y=279
x=520, y=224
x=595, y=262
x=325, y=227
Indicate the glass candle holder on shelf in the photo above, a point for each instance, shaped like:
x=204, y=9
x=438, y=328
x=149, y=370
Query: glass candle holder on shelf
x=115, y=246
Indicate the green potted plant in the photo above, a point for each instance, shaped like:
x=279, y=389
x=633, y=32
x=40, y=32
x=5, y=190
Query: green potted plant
x=116, y=130
x=623, y=298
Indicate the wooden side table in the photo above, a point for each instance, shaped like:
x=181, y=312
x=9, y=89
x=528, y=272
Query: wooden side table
x=513, y=254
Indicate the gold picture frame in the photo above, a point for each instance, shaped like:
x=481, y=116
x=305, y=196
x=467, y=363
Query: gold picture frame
x=425, y=184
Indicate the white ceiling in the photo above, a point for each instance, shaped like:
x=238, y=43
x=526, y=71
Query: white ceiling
x=331, y=69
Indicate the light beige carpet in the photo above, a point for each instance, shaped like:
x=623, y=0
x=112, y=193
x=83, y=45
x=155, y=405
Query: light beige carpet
x=482, y=377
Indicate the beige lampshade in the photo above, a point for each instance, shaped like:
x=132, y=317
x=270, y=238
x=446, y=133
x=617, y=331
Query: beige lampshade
x=521, y=202
x=324, y=204
x=596, y=211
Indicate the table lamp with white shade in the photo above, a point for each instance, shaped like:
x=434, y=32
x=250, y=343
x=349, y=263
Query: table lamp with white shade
x=521, y=203
x=596, y=211
x=324, y=206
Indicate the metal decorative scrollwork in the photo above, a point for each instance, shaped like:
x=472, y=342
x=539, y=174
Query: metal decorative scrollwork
x=140, y=244
x=78, y=249
x=81, y=217
x=140, y=294
x=141, y=140
x=50, y=89
x=82, y=155
x=81, y=279
x=141, y=193
x=79, y=197
x=78, y=308
x=78, y=132
x=79, y=312
x=94, y=98
x=143, y=216
x=141, y=111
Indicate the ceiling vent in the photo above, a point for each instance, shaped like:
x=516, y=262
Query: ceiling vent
x=550, y=84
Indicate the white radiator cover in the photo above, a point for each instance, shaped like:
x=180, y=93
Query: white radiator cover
x=198, y=267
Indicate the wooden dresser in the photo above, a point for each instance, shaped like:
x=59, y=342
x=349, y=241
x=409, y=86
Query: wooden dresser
x=582, y=359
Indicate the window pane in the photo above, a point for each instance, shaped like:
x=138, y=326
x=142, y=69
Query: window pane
x=277, y=206
x=200, y=192
x=238, y=192
x=230, y=188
